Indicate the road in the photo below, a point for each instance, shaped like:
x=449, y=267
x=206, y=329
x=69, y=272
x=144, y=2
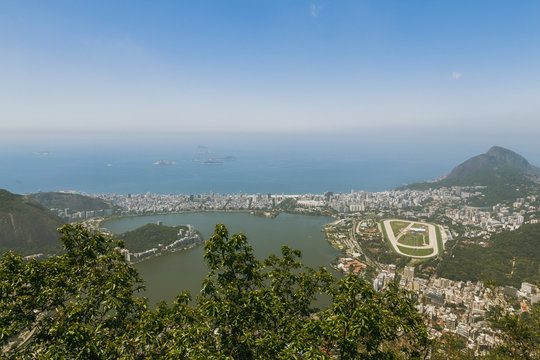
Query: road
x=352, y=245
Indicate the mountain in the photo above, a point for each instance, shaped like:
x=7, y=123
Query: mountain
x=496, y=158
x=505, y=174
x=74, y=202
x=26, y=226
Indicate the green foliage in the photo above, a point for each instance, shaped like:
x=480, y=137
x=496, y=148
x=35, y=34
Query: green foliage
x=259, y=309
x=74, y=202
x=363, y=324
x=389, y=256
x=26, y=226
x=82, y=305
x=520, y=335
x=503, y=183
x=495, y=263
x=149, y=236
x=451, y=346
x=440, y=244
x=287, y=204
x=397, y=226
x=70, y=306
x=414, y=239
x=415, y=251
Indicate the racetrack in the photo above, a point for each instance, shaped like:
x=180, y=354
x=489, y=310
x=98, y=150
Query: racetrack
x=432, y=236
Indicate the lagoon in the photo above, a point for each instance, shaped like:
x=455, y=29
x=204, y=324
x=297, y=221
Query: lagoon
x=167, y=275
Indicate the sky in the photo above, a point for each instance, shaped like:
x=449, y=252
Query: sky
x=451, y=69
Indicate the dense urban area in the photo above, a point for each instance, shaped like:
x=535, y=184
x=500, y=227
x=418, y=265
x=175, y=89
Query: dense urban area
x=450, y=306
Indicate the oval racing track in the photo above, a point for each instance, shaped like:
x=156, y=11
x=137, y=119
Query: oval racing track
x=432, y=236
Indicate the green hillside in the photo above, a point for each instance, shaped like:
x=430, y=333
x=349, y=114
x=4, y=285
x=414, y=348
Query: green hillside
x=511, y=258
x=26, y=226
x=74, y=202
x=503, y=184
x=505, y=174
x=149, y=236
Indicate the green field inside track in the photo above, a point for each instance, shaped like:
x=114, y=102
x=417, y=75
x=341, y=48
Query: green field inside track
x=397, y=226
x=415, y=252
x=409, y=238
x=439, y=239
x=414, y=239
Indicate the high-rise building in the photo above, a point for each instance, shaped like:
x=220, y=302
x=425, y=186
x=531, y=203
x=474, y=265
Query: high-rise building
x=408, y=273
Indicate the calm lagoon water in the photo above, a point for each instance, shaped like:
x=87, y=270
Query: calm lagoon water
x=167, y=275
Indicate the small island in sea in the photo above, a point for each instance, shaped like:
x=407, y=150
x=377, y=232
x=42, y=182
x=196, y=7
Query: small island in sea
x=203, y=150
x=214, y=161
x=164, y=162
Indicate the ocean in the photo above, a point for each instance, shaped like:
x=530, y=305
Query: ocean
x=273, y=164
x=116, y=171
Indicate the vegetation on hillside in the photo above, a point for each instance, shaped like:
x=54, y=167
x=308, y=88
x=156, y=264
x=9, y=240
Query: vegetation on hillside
x=149, y=236
x=503, y=184
x=511, y=258
x=505, y=175
x=26, y=226
x=288, y=204
x=74, y=202
x=83, y=305
x=520, y=334
x=495, y=157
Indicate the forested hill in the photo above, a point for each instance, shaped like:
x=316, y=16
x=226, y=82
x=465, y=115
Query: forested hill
x=149, y=236
x=506, y=175
x=74, y=202
x=496, y=158
x=26, y=226
x=511, y=258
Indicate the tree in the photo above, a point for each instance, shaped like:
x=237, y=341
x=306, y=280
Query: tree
x=520, y=334
x=363, y=324
x=71, y=305
x=451, y=346
x=258, y=310
x=83, y=304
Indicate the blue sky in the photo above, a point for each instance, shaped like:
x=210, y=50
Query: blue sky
x=271, y=66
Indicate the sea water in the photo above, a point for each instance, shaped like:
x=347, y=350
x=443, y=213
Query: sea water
x=290, y=168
